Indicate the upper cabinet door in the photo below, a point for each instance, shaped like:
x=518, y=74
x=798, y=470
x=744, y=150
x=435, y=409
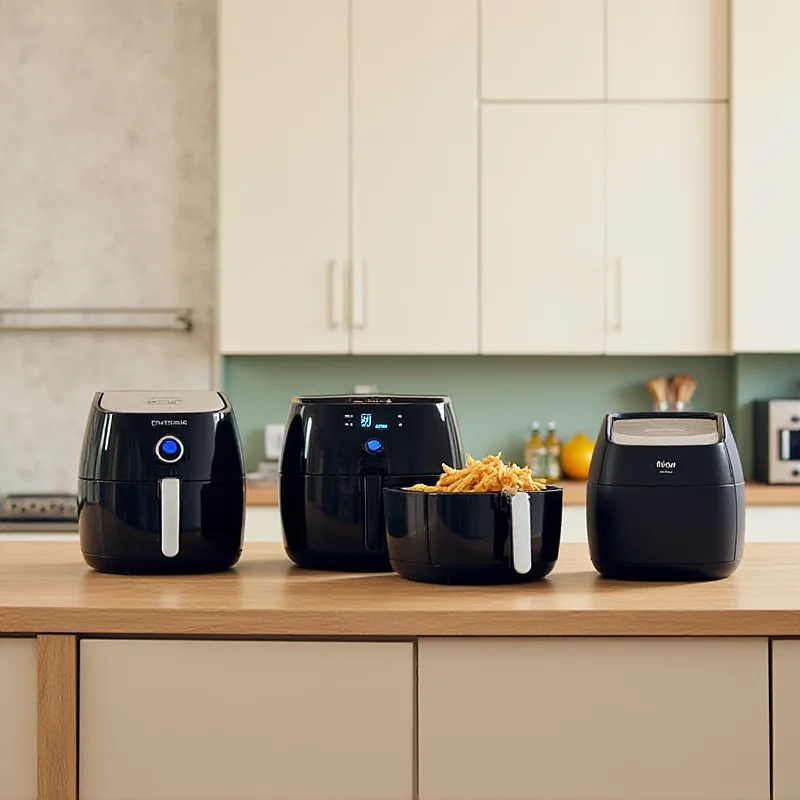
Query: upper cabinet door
x=667, y=49
x=667, y=239
x=766, y=175
x=542, y=49
x=415, y=177
x=283, y=180
x=542, y=217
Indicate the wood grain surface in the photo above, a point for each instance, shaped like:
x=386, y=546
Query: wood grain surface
x=45, y=587
x=57, y=741
x=758, y=494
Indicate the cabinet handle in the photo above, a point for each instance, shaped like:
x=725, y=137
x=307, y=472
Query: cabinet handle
x=618, y=268
x=335, y=295
x=359, y=295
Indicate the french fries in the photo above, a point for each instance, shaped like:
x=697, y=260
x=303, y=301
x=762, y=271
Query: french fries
x=489, y=474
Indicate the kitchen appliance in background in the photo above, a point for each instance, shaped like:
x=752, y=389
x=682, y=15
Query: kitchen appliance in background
x=339, y=452
x=665, y=497
x=161, y=486
x=776, y=438
x=462, y=538
x=39, y=513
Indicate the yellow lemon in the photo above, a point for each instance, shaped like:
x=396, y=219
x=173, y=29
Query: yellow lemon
x=576, y=455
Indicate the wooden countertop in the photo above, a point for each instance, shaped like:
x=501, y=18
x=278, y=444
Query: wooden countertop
x=757, y=494
x=46, y=588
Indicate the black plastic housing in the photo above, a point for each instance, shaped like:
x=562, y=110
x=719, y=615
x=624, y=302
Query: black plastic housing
x=331, y=485
x=685, y=522
x=119, y=499
x=465, y=538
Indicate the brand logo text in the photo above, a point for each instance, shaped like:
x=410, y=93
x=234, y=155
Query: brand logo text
x=155, y=423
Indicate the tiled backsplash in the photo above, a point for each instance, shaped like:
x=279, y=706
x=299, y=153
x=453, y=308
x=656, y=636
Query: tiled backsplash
x=107, y=198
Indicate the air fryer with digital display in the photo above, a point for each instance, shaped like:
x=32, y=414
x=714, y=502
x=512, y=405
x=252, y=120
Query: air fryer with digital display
x=338, y=454
x=665, y=497
x=161, y=486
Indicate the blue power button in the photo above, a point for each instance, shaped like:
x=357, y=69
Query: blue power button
x=373, y=445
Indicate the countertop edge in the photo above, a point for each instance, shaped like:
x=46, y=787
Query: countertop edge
x=401, y=624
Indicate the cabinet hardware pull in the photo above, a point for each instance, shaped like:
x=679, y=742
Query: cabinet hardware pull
x=618, y=265
x=359, y=296
x=335, y=295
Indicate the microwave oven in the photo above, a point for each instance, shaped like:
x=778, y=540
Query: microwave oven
x=776, y=437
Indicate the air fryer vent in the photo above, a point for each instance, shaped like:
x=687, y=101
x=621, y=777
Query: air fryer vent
x=665, y=431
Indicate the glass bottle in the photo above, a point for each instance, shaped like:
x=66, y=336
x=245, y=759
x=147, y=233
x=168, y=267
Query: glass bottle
x=552, y=445
x=535, y=453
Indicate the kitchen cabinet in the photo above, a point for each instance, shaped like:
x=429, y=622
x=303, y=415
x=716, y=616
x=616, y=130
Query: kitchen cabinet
x=566, y=50
x=667, y=223
x=263, y=524
x=765, y=205
x=542, y=216
x=237, y=719
x=348, y=177
x=18, y=717
x=283, y=177
x=542, y=49
x=667, y=49
x=785, y=719
x=415, y=187
x=594, y=719
x=604, y=228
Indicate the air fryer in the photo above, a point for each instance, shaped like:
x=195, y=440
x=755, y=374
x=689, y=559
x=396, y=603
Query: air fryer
x=665, y=497
x=339, y=453
x=161, y=486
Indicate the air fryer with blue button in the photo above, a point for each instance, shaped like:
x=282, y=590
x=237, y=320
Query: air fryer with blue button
x=161, y=486
x=339, y=452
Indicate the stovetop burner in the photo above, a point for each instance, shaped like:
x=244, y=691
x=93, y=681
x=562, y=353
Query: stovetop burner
x=22, y=508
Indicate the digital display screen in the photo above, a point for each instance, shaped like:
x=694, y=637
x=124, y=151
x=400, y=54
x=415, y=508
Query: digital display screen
x=368, y=421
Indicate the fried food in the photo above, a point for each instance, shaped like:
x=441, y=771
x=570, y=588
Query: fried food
x=490, y=474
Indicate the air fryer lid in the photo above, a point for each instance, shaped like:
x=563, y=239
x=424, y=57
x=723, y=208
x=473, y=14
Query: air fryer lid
x=151, y=435
x=674, y=431
x=665, y=449
x=144, y=402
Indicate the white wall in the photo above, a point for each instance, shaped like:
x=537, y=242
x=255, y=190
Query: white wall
x=107, y=198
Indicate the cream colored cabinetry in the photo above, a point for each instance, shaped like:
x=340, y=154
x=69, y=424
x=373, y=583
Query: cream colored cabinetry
x=414, y=173
x=786, y=719
x=595, y=719
x=283, y=176
x=765, y=170
x=348, y=148
x=667, y=49
x=612, y=49
x=542, y=217
x=616, y=212
x=210, y=720
x=263, y=524
x=18, y=719
x=542, y=49
x=667, y=217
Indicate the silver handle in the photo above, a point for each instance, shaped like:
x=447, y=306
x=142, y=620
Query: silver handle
x=359, y=295
x=170, y=516
x=618, y=266
x=786, y=445
x=335, y=295
x=521, y=556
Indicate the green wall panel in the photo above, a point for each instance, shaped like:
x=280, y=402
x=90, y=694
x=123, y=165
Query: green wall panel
x=496, y=398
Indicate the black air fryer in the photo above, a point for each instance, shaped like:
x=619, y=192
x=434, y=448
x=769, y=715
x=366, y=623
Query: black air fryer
x=339, y=452
x=665, y=497
x=161, y=486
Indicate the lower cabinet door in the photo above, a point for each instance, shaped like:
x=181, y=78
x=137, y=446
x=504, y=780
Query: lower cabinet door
x=786, y=719
x=202, y=720
x=593, y=719
x=18, y=719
